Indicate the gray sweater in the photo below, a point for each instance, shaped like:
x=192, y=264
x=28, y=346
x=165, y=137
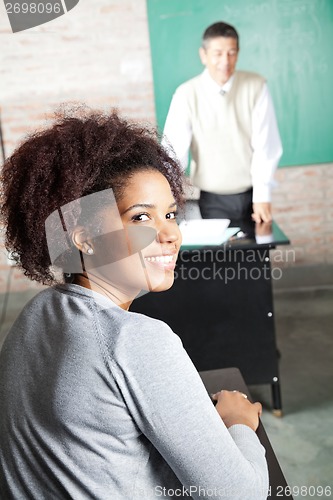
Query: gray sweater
x=101, y=403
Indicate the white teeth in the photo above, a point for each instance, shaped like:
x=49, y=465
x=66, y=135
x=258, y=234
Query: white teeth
x=163, y=259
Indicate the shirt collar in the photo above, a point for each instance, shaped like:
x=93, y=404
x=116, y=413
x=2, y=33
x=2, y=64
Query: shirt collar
x=215, y=87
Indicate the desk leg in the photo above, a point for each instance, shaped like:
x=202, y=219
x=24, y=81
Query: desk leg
x=276, y=395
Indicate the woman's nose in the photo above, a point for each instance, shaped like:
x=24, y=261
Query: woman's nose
x=168, y=232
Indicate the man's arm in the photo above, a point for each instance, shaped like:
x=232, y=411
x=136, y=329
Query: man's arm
x=178, y=130
x=267, y=151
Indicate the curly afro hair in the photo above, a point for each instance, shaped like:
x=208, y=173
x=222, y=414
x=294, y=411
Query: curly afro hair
x=81, y=153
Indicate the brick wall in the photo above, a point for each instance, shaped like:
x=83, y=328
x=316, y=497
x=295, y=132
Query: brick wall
x=99, y=54
x=303, y=207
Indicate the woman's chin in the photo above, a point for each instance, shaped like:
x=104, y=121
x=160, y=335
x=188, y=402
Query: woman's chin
x=163, y=284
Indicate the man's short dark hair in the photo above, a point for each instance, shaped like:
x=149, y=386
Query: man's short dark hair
x=219, y=29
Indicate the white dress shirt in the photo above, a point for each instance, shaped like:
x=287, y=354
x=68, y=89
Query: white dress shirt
x=265, y=138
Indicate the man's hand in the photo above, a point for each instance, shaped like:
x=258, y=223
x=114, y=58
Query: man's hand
x=262, y=212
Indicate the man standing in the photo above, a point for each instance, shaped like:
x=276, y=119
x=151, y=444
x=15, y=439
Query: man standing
x=226, y=119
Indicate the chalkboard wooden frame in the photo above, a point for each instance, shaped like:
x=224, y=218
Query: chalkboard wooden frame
x=289, y=42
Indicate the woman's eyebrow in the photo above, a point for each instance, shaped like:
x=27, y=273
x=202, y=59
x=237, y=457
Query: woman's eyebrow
x=145, y=205
x=139, y=205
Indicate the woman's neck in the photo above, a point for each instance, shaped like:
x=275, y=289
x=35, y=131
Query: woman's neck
x=92, y=282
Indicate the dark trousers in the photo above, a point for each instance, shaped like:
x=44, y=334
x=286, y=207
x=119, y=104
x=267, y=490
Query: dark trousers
x=236, y=207
x=226, y=206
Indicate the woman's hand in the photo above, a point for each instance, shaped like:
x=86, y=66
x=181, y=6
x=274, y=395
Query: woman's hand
x=234, y=408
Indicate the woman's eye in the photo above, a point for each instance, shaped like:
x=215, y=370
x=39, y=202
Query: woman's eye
x=140, y=217
x=172, y=215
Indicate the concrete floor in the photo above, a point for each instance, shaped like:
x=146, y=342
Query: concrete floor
x=303, y=437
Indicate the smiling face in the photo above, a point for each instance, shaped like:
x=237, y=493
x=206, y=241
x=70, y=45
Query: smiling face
x=220, y=58
x=146, y=249
x=149, y=203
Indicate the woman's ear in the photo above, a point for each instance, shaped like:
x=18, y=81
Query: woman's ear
x=81, y=240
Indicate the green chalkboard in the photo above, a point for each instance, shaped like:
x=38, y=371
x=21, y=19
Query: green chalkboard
x=290, y=42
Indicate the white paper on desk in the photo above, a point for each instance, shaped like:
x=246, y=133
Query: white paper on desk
x=204, y=231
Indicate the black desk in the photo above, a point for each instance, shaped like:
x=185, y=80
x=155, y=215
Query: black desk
x=221, y=306
x=230, y=379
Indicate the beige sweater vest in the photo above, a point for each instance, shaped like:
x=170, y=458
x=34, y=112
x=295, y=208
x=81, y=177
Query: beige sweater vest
x=222, y=126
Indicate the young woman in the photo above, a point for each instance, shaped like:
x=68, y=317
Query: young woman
x=98, y=402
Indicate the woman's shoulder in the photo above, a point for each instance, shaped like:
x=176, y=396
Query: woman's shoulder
x=150, y=328
x=147, y=321
x=136, y=334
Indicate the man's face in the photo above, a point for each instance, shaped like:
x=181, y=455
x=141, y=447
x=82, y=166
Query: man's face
x=220, y=57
